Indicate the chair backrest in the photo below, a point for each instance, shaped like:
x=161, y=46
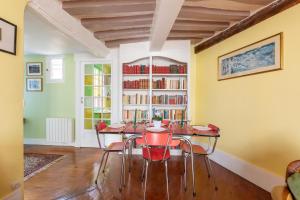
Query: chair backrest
x=100, y=126
x=212, y=146
x=157, y=139
x=213, y=127
x=166, y=122
x=292, y=168
x=161, y=139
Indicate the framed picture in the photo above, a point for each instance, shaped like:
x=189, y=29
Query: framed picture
x=261, y=56
x=34, y=84
x=8, y=37
x=34, y=69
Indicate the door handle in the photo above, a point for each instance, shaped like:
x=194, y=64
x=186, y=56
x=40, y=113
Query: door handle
x=81, y=100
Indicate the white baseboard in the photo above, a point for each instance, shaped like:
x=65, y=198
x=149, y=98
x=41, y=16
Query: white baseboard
x=259, y=176
x=36, y=141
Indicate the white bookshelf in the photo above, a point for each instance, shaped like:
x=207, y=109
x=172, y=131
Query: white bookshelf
x=167, y=107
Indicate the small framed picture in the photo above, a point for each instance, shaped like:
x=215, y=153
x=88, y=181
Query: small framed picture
x=34, y=84
x=8, y=37
x=34, y=69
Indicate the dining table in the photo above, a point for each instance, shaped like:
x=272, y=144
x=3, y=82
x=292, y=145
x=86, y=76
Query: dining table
x=180, y=131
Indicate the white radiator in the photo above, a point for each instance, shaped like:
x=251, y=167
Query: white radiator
x=60, y=130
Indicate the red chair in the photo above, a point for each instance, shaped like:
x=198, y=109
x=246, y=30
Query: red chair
x=201, y=151
x=113, y=147
x=165, y=122
x=156, y=148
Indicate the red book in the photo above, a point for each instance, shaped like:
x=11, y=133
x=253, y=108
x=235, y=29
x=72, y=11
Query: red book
x=172, y=101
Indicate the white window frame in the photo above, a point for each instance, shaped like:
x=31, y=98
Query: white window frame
x=48, y=70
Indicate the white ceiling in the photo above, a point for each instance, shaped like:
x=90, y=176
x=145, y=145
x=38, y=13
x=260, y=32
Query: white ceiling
x=44, y=39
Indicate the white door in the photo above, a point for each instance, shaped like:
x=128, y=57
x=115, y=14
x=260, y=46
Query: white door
x=96, y=99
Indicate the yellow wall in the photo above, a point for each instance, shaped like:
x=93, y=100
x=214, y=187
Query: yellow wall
x=11, y=102
x=259, y=115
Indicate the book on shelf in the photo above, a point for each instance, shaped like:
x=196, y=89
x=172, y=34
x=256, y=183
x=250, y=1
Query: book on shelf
x=171, y=69
x=167, y=83
x=140, y=115
x=172, y=114
x=169, y=99
x=135, y=99
x=135, y=69
x=136, y=84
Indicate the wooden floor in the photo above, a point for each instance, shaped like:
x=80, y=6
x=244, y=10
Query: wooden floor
x=73, y=178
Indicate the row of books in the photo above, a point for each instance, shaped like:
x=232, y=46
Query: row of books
x=169, y=99
x=156, y=69
x=135, y=99
x=166, y=83
x=172, y=69
x=140, y=115
x=136, y=69
x=174, y=114
x=136, y=84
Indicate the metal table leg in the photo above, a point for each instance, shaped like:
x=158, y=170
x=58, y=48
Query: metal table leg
x=123, y=167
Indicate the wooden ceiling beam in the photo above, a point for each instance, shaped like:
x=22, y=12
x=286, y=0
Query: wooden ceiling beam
x=116, y=43
x=202, y=34
x=121, y=27
x=124, y=37
x=166, y=13
x=265, y=13
x=192, y=32
x=193, y=40
x=214, y=11
x=109, y=20
x=111, y=11
x=122, y=34
x=211, y=14
x=110, y=15
x=122, y=31
x=199, y=25
x=254, y=2
x=185, y=38
x=97, y=3
x=224, y=4
x=115, y=26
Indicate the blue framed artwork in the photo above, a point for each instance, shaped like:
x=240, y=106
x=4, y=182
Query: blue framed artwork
x=34, y=84
x=261, y=56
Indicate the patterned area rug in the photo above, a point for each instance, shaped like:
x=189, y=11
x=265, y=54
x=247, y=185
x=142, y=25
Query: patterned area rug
x=35, y=163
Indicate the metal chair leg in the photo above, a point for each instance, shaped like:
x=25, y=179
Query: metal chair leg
x=207, y=166
x=184, y=175
x=211, y=171
x=167, y=178
x=146, y=177
x=124, y=169
x=100, y=167
x=122, y=172
x=143, y=172
x=105, y=162
x=130, y=156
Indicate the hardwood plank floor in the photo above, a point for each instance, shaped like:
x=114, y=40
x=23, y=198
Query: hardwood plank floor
x=73, y=178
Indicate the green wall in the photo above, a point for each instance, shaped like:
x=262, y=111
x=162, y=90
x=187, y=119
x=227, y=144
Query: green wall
x=56, y=99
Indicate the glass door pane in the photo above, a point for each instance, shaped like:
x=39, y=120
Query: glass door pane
x=97, y=94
